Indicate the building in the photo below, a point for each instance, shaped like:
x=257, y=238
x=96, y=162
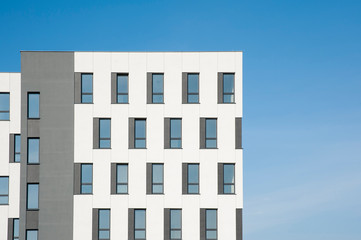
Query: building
x=122, y=145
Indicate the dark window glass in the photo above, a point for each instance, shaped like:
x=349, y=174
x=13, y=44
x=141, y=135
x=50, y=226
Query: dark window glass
x=104, y=133
x=86, y=87
x=139, y=224
x=17, y=147
x=33, y=150
x=193, y=88
x=16, y=229
x=33, y=196
x=211, y=133
x=31, y=234
x=139, y=133
x=4, y=106
x=86, y=178
x=157, y=87
x=4, y=190
x=104, y=224
x=157, y=178
x=33, y=105
x=228, y=88
x=175, y=224
x=122, y=88
x=228, y=178
x=211, y=224
x=193, y=178
x=175, y=133
x=122, y=178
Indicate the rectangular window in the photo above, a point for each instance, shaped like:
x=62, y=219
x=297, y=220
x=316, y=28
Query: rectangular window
x=87, y=88
x=17, y=147
x=33, y=196
x=139, y=224
x=33, y=150
x=193, y=88
x=104, y=224
x=157, y=87
x=4, y=106
x=4, y=190
x=211, y=133
x=157, y=178
x=31, y=234
x=193, y=178
x=104, y=133
x=175, y=133
x=211, y=224
x=33, y=105
x=86, y=179
x=122, y=88
x=140, y=133
x=228, y=88
x=175, y=224
x=228, y=178
x=122, y=178
x=15, y=229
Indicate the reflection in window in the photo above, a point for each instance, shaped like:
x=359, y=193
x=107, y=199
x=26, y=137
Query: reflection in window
x=228, y=88
x=4, y=106
x=87, y=88
x=157, y=87
x=228, y=178
x=193, y=178
x=4, y=190
x=211, y=224
x=33, y=105
x=33, y=196
x=175, y=133
x=175, y=224
x=139, y=224
x=104, y=133
x=104, y=224
x=33, y=150
x=139, y=133
x=122, y=178
x=122, y=88
x=86, y=178
x=157, y=178
x=193, y=88
x=211, y=133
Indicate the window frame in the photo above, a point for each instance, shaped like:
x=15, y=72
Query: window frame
x=15, y=152
x=140, y=229
x=81, y=179
x=190, y=93
x=27, y=197
x=120, y=93
x=211, y=229
x=145, y=133
x=120, y=183
x=28, y=105
x=6, y=111
x=103, y=229
x=170, y=224
x=156, y=93
x=157, y=184
x=16, y=237
x=211, y=138
x=32, y=230
x=192, y=184
x=27, y=148
x=234, y=178
x=170, y=133
x=110, y=133
x=228, y=93
x=5, y=196
x=86, y=93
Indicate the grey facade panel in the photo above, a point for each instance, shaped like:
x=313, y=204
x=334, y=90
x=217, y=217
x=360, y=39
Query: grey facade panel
x=95, y=224
x=184, y=88
x=239, y=228
x=10, y=228
x=77, y=177
x=202, y=224
x=149, y=178
x=32, y=220
x=238, y=133
x=220, y=178
x=220, y=87
x=130, y=224
x=113, y=179
x=113, y=88
x=131, y=133
x=51, y=74
x=184, y=178
x=96, y=133
x=77, y=87
x=149, y=88
x=166, y=224
x=33, y=173
x=166, y=133
x=202, y=133
x=11, y=147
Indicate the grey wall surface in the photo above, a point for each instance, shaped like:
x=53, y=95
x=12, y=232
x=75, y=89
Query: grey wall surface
x=51, y=74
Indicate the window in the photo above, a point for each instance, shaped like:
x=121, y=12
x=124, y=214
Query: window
x=157, y=178
x=140, y=133
x=175, y=224
x=193, y=178
x=33, y=150
x=122, y=178
x=33, y=105
x=17, y=147
x=157, y=88
x=228, y=88
x=175, y=133
x=228, y=178
x=33, y=196
x=139, y=224
x=211, y=224
x=211, y=133
x=104, y=224
x=104, y=133
x=86, y=179
x=31, y=234
x=87, y=88
x=15, y=229
x=4, y=190
x=4, y=106
x=122, y=88
x=193, y=88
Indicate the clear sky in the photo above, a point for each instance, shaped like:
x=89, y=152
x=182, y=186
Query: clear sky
x=302, y=84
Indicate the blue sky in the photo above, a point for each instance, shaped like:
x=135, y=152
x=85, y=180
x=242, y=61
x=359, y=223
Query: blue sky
x=302, y=84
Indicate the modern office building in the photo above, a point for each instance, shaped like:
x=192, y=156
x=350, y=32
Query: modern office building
x=122, y=146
